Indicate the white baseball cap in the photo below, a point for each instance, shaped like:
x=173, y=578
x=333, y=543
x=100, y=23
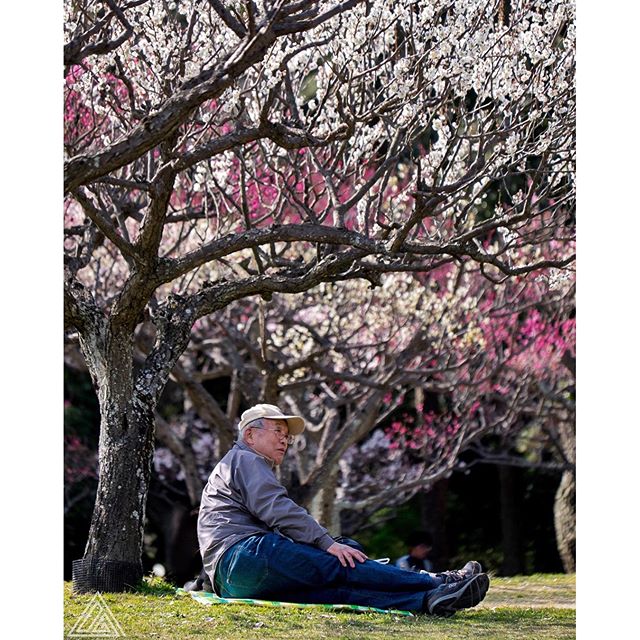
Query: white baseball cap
x=295, y=423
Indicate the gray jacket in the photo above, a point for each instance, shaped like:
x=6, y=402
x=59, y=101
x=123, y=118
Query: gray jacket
x=242, y=498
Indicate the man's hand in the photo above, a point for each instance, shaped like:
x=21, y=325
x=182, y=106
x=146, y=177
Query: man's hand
x=346, y=554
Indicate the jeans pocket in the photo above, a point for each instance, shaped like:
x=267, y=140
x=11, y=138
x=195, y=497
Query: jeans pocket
x=246, y=573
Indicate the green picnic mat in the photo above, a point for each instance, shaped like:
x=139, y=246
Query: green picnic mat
x=211, y=598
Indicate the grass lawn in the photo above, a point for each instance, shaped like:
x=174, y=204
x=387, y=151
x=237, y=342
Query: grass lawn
x=539, y=606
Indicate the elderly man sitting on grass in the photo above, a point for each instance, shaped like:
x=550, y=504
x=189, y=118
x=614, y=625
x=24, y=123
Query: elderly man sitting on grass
x=257, y=543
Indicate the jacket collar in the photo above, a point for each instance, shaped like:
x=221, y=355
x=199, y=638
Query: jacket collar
x=245, y=447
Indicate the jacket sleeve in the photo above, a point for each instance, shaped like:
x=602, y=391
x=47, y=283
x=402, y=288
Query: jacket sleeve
x=266, y=499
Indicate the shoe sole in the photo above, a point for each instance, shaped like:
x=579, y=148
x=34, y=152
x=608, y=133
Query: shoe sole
x=469, y=595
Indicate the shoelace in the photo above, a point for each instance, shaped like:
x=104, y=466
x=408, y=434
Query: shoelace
x=454, y=575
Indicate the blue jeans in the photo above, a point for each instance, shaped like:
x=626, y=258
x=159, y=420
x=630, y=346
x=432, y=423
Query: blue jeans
x=272, y=567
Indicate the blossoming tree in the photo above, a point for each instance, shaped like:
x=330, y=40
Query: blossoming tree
x=395, y=381
x=217, y=150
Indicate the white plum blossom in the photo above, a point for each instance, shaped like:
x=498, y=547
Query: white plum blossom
x=220, y=150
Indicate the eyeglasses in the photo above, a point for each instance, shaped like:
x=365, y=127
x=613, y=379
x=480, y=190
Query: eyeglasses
x=280, y=434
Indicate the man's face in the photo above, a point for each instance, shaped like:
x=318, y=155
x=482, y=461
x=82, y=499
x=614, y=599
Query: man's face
x=271, y=440
x=420, y=551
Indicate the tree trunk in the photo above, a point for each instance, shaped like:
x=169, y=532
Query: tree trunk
x=564, y=512
x=323, y=506
x=564, y=508
x=112, y=558
x=185, y=456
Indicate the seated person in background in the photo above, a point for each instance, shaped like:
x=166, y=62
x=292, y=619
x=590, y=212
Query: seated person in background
x=256, y=542
x=420, y=544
